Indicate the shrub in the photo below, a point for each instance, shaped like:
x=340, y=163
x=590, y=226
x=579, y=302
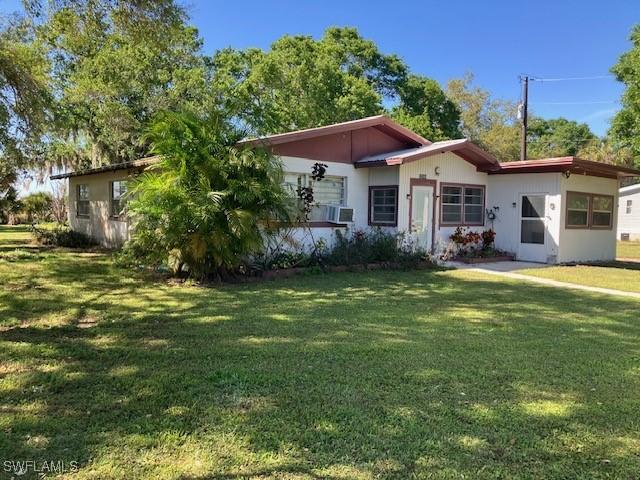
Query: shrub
x=488, y=238
x=61, y=236
x=36, y=207
x=466, y=241
x=376, y=245
x=470, y=243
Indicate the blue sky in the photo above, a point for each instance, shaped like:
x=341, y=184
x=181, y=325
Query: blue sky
x=496, y=40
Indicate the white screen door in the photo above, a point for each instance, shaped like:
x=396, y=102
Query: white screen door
x=533, y=228
x=421, y=214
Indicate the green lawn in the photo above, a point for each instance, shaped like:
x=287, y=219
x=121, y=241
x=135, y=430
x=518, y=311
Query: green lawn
x=378, y=375
x=629, y=250
x=619, y=275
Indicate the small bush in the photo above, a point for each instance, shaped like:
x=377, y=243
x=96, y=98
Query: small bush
x=61, y=236
x=372, y=246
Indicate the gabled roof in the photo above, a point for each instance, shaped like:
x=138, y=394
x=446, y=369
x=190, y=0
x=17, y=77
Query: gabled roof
x=141, y=163
x=564, y=164
x=461, y=147
x=381, y=122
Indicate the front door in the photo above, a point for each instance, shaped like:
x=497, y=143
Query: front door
x=533, y=228
x=421, y=220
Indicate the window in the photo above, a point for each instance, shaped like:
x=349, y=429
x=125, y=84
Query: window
x=602, y=212
x=474, y=205
x=578, y=206
x=383, y=206
x=532, y=219
x=462, y=205
x=118, y=201
x=82, y=200
x=329, y=191
x=589, y=211
x=451, y=205
x=629, y=206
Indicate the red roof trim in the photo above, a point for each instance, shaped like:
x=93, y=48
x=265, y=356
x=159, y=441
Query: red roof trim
x=461, y=147
x=376, y=121
x=563, y=164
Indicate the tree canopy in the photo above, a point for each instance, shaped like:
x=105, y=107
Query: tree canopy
x=24, y=92
x=557, y=137
x=114, y=65
x=301, y=82
x=625, y=128
x=427, y=110
x=489, y=122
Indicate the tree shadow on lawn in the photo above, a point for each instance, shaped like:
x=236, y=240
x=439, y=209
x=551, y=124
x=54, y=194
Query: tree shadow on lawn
x=392, y=374
x=626, y=265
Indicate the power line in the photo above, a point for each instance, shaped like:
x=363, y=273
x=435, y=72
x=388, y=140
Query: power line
x=563, y=79
x=597, y=102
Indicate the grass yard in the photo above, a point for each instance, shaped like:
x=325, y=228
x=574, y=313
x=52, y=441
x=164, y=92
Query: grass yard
x=619, y=275
x=343, y=376
x=629, y=250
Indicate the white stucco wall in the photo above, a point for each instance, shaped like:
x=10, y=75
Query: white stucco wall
x=588, y=245
x=629, y=222
x=98, y=225
x=357, y=191
x=452, y=169
x=505, y=192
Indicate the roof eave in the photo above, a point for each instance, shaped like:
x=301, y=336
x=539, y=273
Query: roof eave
x=564, y=164
x=136, y=164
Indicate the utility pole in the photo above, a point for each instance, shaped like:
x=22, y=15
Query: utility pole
x=525, y=100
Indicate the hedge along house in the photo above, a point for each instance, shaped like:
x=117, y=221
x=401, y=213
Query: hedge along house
x=380, y=174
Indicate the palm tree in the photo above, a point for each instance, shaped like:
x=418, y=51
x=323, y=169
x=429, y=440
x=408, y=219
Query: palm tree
x=208, y=200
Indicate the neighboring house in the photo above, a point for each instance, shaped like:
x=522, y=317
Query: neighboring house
x=629, y=213
x=384, y=175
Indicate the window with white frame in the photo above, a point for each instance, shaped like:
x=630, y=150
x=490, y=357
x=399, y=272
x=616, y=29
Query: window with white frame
x=629, y=207
x=331, y=190
x=383, y=206
x=82, y=200
x=118, y=192
x=462, y=204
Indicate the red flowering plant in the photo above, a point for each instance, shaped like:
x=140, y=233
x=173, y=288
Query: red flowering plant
x=466, y=241
x=488, y=237
x=470, y=243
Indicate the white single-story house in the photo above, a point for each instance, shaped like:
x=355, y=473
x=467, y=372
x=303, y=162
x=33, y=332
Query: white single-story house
x=629, y=213
x=380, y=174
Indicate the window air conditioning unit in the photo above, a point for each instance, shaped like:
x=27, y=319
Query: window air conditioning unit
x=338, y=214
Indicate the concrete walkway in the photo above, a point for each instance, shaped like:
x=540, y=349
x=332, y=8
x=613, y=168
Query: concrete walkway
x=509, y=269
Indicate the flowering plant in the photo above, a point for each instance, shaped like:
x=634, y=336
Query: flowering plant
x=469, y=242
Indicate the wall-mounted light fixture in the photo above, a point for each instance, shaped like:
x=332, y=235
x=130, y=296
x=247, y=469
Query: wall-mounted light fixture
x=437, y=171
x=514, y=204
x=567, y=174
